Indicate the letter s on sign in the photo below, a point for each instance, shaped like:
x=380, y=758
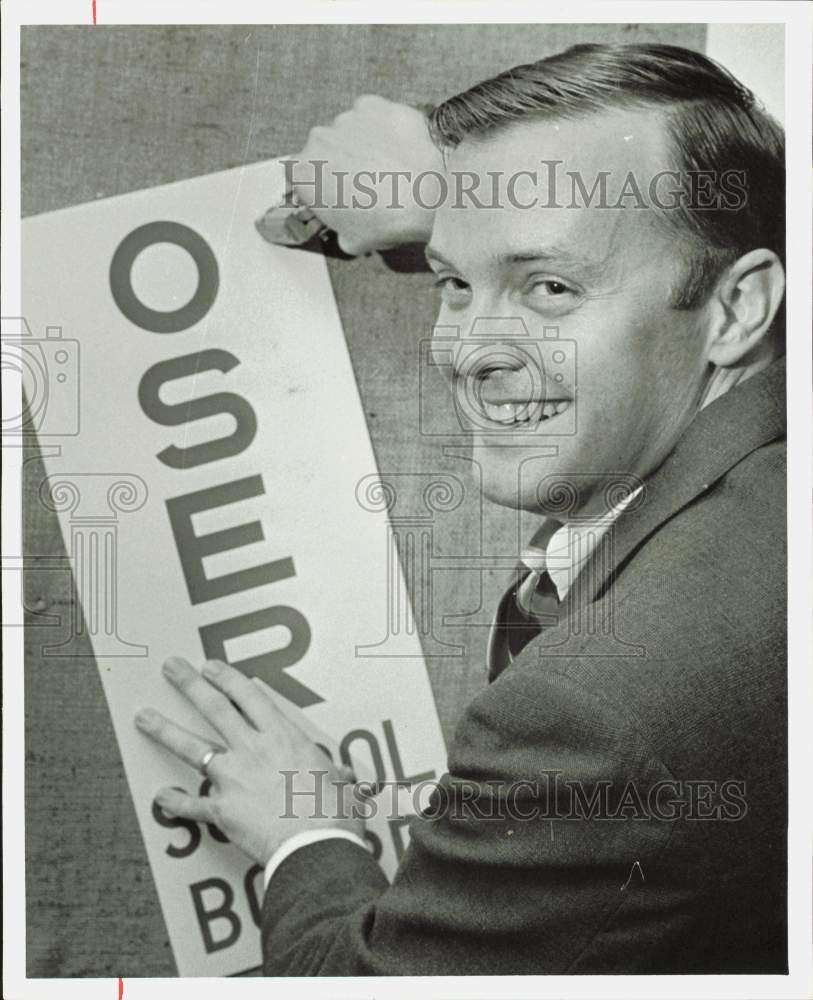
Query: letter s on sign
x=173, y=414
x=173, y=822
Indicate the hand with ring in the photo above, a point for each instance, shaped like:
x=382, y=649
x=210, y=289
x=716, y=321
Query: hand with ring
x=250, y=798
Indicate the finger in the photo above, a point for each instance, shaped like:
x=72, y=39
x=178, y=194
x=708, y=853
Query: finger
x=214, y=706
x=177, y=803
x=281, y=718
x=352, y=246
x=242, y=692
x=188, y=747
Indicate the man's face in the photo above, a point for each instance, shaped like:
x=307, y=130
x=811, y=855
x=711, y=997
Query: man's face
x=604, y=276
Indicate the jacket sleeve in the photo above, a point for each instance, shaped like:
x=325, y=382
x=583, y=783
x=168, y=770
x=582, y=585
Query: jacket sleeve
x=539, y=858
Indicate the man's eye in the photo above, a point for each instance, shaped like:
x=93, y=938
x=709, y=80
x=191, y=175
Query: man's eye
x=453, y=290
x=551, y=287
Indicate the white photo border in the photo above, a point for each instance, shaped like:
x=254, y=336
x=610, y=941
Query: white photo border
x=797, y=17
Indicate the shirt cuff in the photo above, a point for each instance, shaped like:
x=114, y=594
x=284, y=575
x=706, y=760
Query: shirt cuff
x=303, y=839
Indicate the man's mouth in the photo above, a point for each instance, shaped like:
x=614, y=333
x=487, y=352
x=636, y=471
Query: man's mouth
x=532, y=412
x=517, y=397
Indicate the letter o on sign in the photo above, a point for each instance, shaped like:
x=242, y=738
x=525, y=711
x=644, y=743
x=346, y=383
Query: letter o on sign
x=156, y=320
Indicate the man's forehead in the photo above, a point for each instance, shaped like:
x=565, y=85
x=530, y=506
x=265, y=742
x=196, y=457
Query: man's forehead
x=566, y=218
x=586, y=237
x=616, y=140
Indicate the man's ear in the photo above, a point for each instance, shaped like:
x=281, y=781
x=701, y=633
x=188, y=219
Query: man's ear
x=743, y=306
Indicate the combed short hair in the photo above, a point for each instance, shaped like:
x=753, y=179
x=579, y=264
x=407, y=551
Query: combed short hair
x=714, y=124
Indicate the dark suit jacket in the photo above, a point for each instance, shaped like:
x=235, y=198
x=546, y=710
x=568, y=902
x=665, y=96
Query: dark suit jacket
x=698, y=580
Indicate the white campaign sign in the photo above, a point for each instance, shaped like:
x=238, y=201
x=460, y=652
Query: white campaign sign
x=205, y=446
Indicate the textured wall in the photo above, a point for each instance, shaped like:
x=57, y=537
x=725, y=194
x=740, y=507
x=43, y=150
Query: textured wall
x=109, y=110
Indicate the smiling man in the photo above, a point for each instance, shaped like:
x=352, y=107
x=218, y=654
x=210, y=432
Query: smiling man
x=610, y=806
x=606, y=276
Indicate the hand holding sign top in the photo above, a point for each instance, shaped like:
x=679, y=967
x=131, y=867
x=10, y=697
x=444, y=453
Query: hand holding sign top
x=362, y=175
x=254, y=769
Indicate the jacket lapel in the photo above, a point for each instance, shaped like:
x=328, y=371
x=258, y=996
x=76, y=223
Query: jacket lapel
x=721, y=435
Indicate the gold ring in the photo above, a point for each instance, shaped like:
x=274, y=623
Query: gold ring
x=207, y=760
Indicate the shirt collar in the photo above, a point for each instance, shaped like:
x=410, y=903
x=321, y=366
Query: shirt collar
x=572, y=545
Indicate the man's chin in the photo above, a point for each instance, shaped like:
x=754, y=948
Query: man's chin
x=497, y=494
x=516, y=477
x=504, y=489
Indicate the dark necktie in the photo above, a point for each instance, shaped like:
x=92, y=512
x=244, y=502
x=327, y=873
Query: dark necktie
x=528, y=607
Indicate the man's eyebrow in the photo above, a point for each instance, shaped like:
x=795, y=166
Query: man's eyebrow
x=555, y=255
x=548, y=254
x=534, y=253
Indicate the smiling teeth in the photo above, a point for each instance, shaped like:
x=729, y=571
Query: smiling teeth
x=503, y=413
x=523, y=413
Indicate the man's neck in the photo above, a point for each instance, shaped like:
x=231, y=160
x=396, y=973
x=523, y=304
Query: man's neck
x=720, y=381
